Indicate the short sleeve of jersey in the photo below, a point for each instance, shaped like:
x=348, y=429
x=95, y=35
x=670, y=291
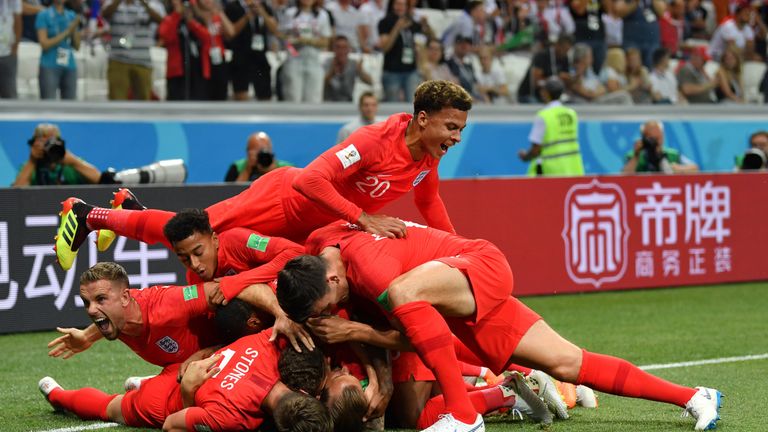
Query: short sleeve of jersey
x=172, y=303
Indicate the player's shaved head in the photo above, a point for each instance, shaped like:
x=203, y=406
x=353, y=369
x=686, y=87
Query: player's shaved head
x=433, y=96
x=300, y=284
x=302, y=371
x=110, y=271
x=185, y=223
x=297, y=412
x=238, y=318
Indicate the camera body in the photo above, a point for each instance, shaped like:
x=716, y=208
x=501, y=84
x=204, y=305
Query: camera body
x=54, y=150
x=653, y=156
x=264, y=158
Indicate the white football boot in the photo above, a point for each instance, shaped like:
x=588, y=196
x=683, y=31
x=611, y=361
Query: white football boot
x=447, y=423
x=704, y=406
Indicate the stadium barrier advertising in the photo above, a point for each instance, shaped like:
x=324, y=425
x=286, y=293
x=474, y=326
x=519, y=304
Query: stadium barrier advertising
x=560, y=235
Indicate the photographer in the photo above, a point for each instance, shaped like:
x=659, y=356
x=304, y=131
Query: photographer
x=50, y=163
x=259, y=161
x=650, y=155
x=755, y=156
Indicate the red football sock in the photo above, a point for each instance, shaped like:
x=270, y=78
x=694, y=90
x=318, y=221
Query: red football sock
x=620, y=377
x=470, y=369
x=87, y=403
x=465, y=354
x=143, y=225
x=430, y=335
x=484, y=401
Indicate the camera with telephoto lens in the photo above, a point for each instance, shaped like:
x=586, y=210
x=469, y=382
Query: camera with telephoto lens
x=54, y=150
x=171, y=171
x=652, y=156
x=264, y=158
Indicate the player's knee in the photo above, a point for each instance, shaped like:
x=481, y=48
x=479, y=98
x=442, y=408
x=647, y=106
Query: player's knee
x=402, y=291
x=566, y=365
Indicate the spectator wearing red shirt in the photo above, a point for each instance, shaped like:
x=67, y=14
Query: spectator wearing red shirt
x=182, y=37
x=219, y=28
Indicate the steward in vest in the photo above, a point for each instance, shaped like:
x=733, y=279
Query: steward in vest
x=554, y=137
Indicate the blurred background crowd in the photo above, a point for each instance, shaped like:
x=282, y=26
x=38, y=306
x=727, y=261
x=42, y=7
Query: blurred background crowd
x=501, y=51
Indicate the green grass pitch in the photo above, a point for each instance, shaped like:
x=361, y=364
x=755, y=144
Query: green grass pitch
x=645, y=327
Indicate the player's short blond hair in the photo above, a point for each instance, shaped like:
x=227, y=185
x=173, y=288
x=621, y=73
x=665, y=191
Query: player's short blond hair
x=110, y=271
x=433, y=96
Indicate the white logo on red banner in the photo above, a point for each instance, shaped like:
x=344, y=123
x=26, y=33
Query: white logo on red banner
x=595, y=232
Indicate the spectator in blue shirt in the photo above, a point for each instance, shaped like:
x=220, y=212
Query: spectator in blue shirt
x=58, y=34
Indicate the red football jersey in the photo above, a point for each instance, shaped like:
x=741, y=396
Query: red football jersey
x=176, y=323
x=373, y=262
x=368, y=170
x=246, y=257
x=248, y=372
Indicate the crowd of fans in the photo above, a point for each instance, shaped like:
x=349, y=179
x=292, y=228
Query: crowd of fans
x=605, y=51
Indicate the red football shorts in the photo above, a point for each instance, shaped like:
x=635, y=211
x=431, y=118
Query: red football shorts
x=407, y=366
x=156, y=399
x=495, y=337
x=489, y=276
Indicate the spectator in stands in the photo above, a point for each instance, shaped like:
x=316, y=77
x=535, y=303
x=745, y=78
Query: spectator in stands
x=515, y=28
x=471, y=24
x=734, y=32
x=585, y=86
x=219, y=27
x=50, y=163
x=132, y=29
x=552, y=60
x=761, y=32
x=307, y=30
x=695, y=84
x=613, y=75
x=59, y=36
x=641, y=25
x=695, y=21
x=432, y=66
x=259, y=160
x=29, y=11
x=182, y=37
x=614, y=28
x=664, y=86
x=491, y=82
x=672, y=28
x=554, y=136
x=349, y=22
x=756, y=156
x=341, y=73
x=638, y=78
x=553, y=20
x=589, y=27
x=650, y=155
x=10, y=35
x=368, y=106
x=252, y=22
x=397, y=33
x=461, y=66
x=730, y=85
x=372, y=11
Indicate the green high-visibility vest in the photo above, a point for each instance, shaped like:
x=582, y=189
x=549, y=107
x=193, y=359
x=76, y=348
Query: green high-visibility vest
x=560, y=155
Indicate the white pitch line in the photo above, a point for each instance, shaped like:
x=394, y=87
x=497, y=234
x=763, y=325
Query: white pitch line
x=705, y=362
x=84, y=427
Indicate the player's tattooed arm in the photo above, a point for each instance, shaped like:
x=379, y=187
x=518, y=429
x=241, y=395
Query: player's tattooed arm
x=73, y=341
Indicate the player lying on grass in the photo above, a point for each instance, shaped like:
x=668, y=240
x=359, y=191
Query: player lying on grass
x=435, y=283
x=374, y=166
x=235, y=389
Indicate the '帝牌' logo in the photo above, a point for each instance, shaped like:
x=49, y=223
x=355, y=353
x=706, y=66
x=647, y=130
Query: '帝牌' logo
x=595, y=233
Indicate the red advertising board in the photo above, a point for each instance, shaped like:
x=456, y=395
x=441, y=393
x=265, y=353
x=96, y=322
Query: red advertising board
x=615, y=232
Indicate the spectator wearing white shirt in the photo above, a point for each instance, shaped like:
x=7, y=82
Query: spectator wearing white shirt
x=734, y=31
x=349, y=22
x=10, y=35
x=554, y=20
x=368, y=106
x=663, y=81
x=471, y=24
x=307, y=28
x=372, y=12
x=491, y=83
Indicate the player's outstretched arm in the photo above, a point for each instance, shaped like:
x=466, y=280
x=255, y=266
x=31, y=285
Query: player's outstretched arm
x=202, y=354
x=334, y=329
x=382, y=225
x=176, y=422
x=73, y=341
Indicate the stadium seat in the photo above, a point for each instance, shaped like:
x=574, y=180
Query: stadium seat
x=159, y=57
x=752, y=74
x=711, y=21
x=92, y=89
x=515, y=66
x=28, y=70
x=373, y=64
x=711, y=67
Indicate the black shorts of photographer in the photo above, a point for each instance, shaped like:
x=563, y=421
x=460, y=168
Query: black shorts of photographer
x=50, y=163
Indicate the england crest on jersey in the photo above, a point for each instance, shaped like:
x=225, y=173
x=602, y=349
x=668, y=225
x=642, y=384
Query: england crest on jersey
x=168, y=345
x=420, y=177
